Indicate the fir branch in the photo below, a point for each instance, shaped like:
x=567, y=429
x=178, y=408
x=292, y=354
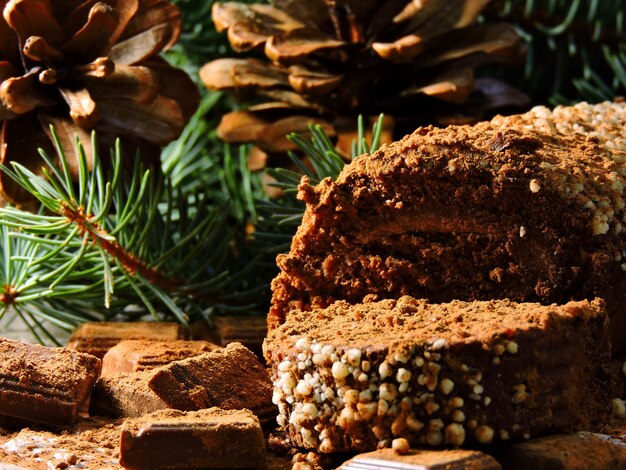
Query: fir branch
x=125, y=238
x=576, y=49
x=133, y=239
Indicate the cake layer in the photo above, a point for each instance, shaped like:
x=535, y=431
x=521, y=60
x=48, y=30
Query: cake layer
x=356, y=377
x=41, y=384
x=528, y=207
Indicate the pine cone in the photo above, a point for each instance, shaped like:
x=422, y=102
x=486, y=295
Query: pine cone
x=84, y=65
x=330, y=60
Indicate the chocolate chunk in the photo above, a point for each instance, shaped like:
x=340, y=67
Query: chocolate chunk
x=247, y=330
x=564, y=452
x=422, y=460
x=138, y=355
x=211, y=438
x=231, y=378
x=41, y=384
x=125, y=396
x=98, y=337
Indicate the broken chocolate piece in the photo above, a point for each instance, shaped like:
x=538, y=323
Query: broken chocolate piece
x=231, y=378
x=138, y=355
x=422, y=460
x=41, y=384
x=211, y=438
x=98, y=337
x=125, y=395
x=247, y=330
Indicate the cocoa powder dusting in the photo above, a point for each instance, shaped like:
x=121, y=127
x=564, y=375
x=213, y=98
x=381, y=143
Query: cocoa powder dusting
x=92, y=443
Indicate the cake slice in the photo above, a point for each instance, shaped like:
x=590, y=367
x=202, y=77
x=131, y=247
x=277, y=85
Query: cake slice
x=357, y=377
x=527, y=207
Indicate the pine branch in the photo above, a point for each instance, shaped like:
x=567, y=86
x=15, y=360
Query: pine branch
x=133, y=239
x=125, y=239
x=577, y=49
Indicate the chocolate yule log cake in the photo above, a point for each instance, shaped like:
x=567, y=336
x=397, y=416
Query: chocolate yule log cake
x=527, y=207
x=355, y=377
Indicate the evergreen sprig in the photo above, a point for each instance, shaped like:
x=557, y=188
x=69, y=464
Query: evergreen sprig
x=135, y=244
x=114, y=238
x=576, y=48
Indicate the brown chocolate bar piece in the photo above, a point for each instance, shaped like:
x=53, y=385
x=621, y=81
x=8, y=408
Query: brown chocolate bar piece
x=422, y=460
x=98, y=337
x=247, y=330
x=41, y=384
x=125, y=395
x=211, y=438
x=231, y=378
x=138, y=355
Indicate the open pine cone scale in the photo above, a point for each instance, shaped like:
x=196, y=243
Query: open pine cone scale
x=89, y=65
x=330, y=60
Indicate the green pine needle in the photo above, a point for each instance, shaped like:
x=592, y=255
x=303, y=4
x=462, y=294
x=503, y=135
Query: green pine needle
x=576, y=49
x=113, y=239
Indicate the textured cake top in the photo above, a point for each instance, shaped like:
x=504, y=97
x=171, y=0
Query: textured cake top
x=578, y=152
x=394, y=323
